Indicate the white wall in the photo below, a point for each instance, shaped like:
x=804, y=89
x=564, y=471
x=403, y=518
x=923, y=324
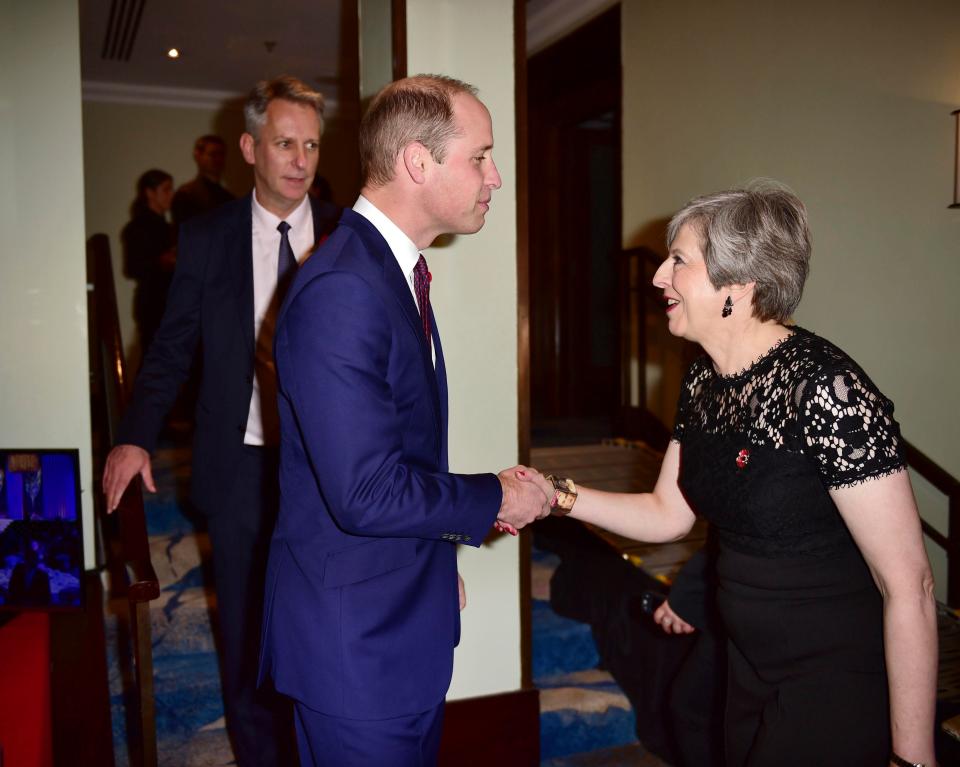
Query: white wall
x=44, y=391
x=849, y=104
x=474, y=294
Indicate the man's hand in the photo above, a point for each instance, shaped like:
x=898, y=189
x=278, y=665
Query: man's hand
x=462, y=592
x=123, y=464
x=523, y=502
x=669, y=621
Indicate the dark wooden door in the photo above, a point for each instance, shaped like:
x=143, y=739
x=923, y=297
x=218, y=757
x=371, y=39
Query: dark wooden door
x=574, y=155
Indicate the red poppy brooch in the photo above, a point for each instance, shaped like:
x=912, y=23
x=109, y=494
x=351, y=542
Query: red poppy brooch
x=743, y=458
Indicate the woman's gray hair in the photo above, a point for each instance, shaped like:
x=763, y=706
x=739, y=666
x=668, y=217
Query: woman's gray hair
x=758, y=234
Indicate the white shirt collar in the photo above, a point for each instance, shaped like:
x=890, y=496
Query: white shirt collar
x=269, y=221
x=401, y=246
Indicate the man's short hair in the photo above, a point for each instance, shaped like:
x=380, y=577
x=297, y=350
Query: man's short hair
x=210, y=138
x=418, y=108
x=285, y=87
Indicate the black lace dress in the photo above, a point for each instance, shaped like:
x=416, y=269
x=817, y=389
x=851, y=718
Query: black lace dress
x=759, y=452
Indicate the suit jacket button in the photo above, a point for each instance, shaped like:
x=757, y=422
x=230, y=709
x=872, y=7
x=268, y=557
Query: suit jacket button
x=466, y=539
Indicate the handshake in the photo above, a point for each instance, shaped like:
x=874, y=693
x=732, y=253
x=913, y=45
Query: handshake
x=527, y=496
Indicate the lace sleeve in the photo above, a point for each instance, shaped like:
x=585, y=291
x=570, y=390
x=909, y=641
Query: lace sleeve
x=848, y=427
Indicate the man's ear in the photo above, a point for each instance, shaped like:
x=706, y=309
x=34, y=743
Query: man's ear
x=415, y=158
x=246, y=147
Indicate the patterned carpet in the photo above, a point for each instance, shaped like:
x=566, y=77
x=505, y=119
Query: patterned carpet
x=586, y=721
x=189, y=708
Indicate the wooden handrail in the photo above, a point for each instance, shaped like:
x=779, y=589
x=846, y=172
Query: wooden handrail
x=125, y=531
x=950, y=487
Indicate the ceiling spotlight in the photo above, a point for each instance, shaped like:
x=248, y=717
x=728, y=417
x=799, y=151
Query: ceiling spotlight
x=173, y=53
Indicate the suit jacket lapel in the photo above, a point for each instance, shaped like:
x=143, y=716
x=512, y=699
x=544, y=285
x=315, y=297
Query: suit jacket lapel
x=441, y=370
x=397, y=283
x=396, y=280
x=239, y=246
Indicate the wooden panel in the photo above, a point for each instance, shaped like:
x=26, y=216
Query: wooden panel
x=573, y=156
x=501, y=730
x=80, y=697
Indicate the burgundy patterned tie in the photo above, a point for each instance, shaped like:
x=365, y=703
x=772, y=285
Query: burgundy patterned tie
x=421, y=286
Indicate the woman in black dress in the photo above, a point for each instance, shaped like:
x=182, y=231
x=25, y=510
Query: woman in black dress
x=786, y=446
x=149, y=251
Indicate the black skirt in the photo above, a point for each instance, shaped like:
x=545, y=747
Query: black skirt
x=807, y=681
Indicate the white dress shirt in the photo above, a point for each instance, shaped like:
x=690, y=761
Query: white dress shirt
x=263, y=424
x=402, y=247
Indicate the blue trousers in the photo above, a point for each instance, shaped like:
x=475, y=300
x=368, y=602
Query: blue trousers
x=406, y=741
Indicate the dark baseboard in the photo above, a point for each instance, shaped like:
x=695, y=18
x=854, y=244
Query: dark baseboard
x=501, y=730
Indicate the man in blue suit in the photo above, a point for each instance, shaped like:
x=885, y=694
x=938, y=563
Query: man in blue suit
x=232, y=265
x=361, y=610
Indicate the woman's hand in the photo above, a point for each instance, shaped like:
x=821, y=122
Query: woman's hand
x=529, y=474
x=670, y=622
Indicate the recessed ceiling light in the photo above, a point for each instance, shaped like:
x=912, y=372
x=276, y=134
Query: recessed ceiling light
x=173, y=53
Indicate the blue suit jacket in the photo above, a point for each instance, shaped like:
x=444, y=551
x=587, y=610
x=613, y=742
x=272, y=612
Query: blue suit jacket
x=210, y=303
x=361, y=612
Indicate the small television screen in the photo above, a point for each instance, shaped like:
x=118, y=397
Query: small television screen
x=41, y=534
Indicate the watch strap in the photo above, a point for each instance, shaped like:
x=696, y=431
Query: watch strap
x=564, y=495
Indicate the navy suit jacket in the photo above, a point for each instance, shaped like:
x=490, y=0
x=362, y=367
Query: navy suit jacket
x=361, y=613
x=211, y=303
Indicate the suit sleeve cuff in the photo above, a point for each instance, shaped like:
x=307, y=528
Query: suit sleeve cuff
x=486, y=496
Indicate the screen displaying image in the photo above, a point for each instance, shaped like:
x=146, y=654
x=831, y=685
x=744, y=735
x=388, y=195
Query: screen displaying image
x=41, y=542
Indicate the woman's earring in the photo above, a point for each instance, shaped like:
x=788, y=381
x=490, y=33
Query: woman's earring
x=727, y=308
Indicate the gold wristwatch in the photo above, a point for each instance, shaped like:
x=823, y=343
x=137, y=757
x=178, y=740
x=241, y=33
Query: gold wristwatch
x=565, y=495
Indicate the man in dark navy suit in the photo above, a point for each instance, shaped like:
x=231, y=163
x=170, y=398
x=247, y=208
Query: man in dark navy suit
x=361, y=613
x=233, y=265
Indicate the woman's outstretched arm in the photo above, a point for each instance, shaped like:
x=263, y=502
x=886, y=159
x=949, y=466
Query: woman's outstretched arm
x=656, y=517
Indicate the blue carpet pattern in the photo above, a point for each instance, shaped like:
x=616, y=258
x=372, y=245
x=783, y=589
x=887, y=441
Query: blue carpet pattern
x=585, y=719
x=189, y=707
